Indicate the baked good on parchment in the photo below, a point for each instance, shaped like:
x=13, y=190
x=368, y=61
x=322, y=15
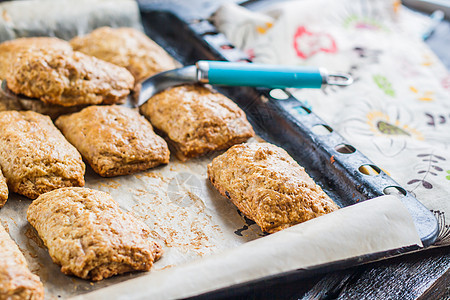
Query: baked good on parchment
x=196, y=120
x=88, y=235
x=16, y=280
x=10, y=49
x=115, y=140
x=3, y=190
x=268, y=186
x=126, y=47
x=8, y=54
x=68, y=78
x=34, y=155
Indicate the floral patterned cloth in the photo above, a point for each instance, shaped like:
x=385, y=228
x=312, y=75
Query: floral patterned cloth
x=397, y=112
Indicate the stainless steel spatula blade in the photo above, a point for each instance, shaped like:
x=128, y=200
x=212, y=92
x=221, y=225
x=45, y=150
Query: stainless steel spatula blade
x=164, y=80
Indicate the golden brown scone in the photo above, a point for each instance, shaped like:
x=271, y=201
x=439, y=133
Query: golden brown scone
x=34, y=155
x=9, y=101
x=3, y=190
x=268, y=186
x=88, y=235
x=9, y=49
x=16, y=280
x=115, y=140
x=196, y=120
x=8, y=52
x=68, y=78
x=125, y=47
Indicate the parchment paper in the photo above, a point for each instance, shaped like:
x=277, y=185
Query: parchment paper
x=208, y=244
x=194, y=223
x=188, y=217
x=369, y=227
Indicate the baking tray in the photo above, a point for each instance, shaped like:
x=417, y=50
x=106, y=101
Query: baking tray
x=280, y=118
x=189, y=37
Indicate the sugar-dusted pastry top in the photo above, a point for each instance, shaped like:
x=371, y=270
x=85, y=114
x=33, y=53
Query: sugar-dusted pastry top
x=3, y=190
x=115, y=140
x=68, y=78
x=88, y=235
x=125, y=47
x=197, y=120
x=268, y=186
x=16, y=280
x=9, y=49
x=34, y=155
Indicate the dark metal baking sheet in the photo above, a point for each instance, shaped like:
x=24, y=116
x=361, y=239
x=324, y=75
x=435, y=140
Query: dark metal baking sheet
x=189, y=37
x=287, y=122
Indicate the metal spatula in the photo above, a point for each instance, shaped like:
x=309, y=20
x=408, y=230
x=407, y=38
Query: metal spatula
x=234, y=74
x=241, y=74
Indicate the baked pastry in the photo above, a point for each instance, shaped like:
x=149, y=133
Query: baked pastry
x=34, y=156
x=268, y=186
x=8, y=54
x=16, y=280
x=51, y=110
x=115, y=140
x=196, y=120
x=68, y=78
x=126, y=47
x=9, y=49
x=3, y=190
x=11, y=101
x=88, y=235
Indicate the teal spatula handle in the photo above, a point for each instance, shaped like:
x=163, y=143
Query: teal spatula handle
x=260, y=75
